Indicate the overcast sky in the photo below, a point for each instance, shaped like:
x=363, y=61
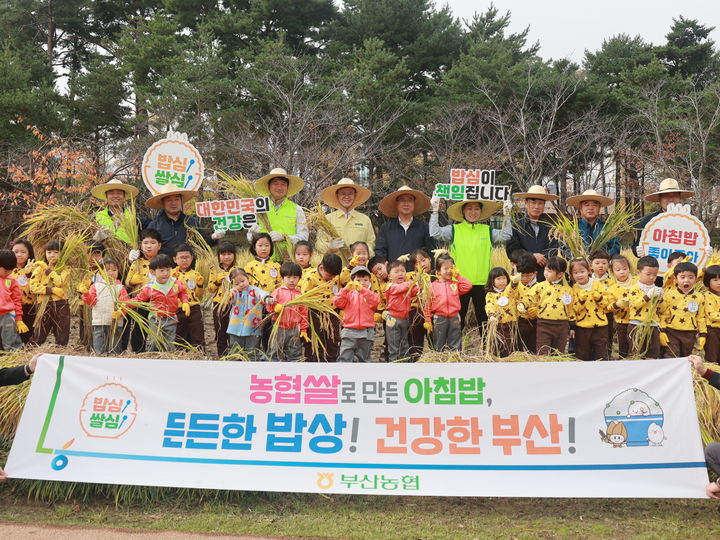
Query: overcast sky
x=565, y=28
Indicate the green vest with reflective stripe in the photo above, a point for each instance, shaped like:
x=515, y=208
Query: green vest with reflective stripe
x=282, y=220
x=472, y=251
x=104, y=219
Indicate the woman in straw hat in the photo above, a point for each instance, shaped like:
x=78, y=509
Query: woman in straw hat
x=286, y=218
x=471, y=244
x=669, y=192
x=171, y=222
x=589, y=224
x=403, y=233
x=351, y=225
x=114, y=193
x=531, y=233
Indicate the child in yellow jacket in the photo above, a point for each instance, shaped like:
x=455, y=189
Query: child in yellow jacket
x=190, y=328
x=553, y=300
x=589, y=305
x=619, y=296
x=501, y=299
x=220, y=287
x=325, y=278
x=264, y=273
x=644, y=299
x=711, y=279
x=682, y=314
x=138, y=277
x=49, y=287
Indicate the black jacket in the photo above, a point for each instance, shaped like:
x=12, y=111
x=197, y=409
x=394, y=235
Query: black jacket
x=12, y=375
x=393, y=241
x=174, y=232
x=523, y=237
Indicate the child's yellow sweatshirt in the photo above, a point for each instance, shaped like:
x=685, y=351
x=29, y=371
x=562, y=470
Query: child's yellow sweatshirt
x=681, y=311
x=194, y=283
x=503, y=303
x=643, y=309
x=712, y=309
x=138, y=275
x=46, y=282
x=264, y=275
x=552, y=300
x=590, y=304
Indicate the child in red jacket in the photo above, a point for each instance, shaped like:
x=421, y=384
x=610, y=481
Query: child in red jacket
x=166, y=295
x=398, y=296
x=292, y=321
x=11, y=324
x=359, y=303
x=445, y=305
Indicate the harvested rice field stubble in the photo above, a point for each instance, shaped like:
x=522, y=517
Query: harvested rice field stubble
x=374, y=517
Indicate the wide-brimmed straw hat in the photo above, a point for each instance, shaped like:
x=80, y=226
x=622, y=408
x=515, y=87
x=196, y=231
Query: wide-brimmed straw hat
x=536, y=192
x=589, y=195
x=100, y=192
x=669, y=185
x=329, y=194
x=388, y=205
x=295, y=183
x=165, y=191
x=488, y=208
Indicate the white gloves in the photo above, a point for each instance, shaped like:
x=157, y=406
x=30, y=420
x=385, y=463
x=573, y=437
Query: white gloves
x=276, y=236
x=640, y=251
x=507, y=208
x=255, y=229
x=134, y=255
x=709, y=251
x=657, y=291
x=336, y=243
x=101, y=235
x=435, y=203
x=217, y=235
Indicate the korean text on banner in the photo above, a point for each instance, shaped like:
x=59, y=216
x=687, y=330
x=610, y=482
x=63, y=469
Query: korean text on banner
x=472, y=185
x=550, y=429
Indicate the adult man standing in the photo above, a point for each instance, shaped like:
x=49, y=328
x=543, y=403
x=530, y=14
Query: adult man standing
x=403, y=233
x=286, y=218
x=171, y=222
x=532, y=233
x=589, y=224
x=351, y=225
x=115, y=194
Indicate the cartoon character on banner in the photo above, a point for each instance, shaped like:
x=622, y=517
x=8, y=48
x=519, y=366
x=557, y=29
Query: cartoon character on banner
x=633, y=418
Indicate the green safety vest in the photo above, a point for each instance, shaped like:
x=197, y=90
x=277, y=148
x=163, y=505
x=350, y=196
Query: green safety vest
x=282, y=220
x=104, y=219
x=472, y=251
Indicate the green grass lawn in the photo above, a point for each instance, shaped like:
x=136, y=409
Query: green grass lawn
x=370, y=517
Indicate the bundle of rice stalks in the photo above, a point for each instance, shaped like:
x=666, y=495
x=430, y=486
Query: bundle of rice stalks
x=318, y=222
x=57, y=222
x=127, y=221
x=500, y=258
x=642, y=332
x=205, y=260
x=422, y=280
x=321, y=314
x=707, y=400
x=481, y=357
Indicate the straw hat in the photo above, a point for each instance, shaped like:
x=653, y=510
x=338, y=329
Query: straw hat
x=589, y=195
x=388, y=205
x=295, y=183
x=536, y=192
x=488, y=208
x=329, y=194
x=100, y=192
x=156, y=202
x=669, y=185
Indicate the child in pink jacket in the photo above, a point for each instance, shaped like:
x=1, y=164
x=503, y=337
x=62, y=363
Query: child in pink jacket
x=11, y=323
x=359, y=304
x=398, y=296
x=445, y=305
x=292, y=321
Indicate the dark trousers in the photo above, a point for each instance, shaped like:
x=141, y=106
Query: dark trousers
x=591, y=343
x=712, y=344
x=621, y=330
x=610, y=335
x=137, y=335
x=416, y=334
x=28, y=318
x=330, y=337
x=712, y=456
x=505, y=342
x=85, y=325
x=527, y=328
x=680, y=343
x=552, y=336
x=477, y=295
x=221, y=318
x=190, y=330
x=56, y=319
x=649, y=347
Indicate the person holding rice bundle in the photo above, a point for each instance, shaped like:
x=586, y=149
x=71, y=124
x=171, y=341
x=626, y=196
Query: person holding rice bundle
x=219, y=287
x=115, y=194
x=358, y=302
x=25, y=256
x=246, y=314
x=351, y=225
x=287, y=219
x=589, y=224
x=644, y=298
x=501, y=306
x=49, y=288
x=471, y=245
x=711, y=279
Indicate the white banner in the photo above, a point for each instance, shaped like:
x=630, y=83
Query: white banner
x=565, y=429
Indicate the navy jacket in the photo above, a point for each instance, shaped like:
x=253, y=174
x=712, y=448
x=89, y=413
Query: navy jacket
x=640, y=226
x=523, y=237
x=12, y=375
x=173, y=232
x=393, y=241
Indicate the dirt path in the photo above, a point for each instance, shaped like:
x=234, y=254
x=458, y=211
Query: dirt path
x=71, y=532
